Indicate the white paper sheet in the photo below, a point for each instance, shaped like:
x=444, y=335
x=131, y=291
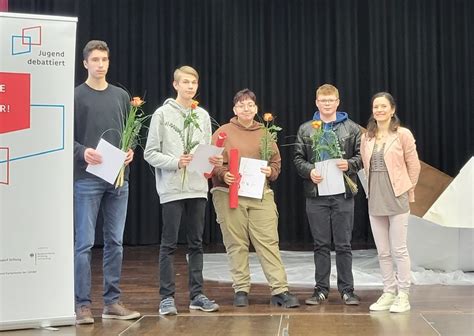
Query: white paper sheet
x=200, y=162
x=252, y=180
x=112, y=160
x=333, y=181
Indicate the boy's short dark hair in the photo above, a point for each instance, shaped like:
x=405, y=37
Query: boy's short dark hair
x=94, y=45
x=244, y=94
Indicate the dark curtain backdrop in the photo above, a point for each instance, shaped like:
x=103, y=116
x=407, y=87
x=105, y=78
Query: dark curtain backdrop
x=419, y=50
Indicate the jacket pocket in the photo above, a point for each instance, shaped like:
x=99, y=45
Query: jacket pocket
x=196, y=182
x=172, y=180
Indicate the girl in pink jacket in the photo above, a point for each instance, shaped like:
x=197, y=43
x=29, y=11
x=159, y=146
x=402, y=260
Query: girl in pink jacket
x=392, y=168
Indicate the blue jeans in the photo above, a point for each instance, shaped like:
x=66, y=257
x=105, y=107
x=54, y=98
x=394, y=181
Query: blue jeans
x=90, y=194
x=332, y=216
x=193, y=210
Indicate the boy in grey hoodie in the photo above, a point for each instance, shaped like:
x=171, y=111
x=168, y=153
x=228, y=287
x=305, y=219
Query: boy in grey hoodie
x=182, y=193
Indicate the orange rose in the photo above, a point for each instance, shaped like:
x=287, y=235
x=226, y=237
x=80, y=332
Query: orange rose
x=136, y=102
x=316, y=124
x=267, y=117
x=194, y=104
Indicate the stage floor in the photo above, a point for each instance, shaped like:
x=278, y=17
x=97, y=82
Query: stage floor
x=436, y=309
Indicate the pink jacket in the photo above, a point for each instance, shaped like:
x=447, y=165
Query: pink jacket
x=400, y=158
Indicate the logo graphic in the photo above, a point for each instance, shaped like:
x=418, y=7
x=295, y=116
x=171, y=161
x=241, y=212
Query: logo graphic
x=22, y=44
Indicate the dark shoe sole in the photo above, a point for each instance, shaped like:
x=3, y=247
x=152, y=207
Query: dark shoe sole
x=208, y=310
x=241, y=303
x=353, y=303
x=312, y=302
x=292, y=303
x=168, y=313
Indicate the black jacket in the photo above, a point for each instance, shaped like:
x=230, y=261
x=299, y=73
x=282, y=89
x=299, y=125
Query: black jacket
x=349, y=135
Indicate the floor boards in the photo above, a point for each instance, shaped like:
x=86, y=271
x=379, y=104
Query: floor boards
x=436, y=310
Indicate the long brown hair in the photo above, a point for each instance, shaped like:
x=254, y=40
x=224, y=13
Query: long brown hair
x=394, y=121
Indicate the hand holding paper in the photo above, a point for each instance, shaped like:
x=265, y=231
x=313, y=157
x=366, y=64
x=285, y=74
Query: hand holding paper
x=315, y=176
x=219, y=143
x=92, y=156
x=332, y=182
x=112, y=160
x=253, y=179
x=200, y=161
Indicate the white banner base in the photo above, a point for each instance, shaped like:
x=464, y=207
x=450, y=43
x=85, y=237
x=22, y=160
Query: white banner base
x=38, y=323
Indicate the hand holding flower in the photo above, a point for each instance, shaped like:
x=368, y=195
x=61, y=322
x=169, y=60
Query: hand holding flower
x=185, y=133
x=129, y=157
x=184, y=160
x=130, y=135
x=266, y=170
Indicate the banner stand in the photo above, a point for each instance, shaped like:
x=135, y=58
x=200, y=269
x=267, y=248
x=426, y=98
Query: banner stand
x=37, y=63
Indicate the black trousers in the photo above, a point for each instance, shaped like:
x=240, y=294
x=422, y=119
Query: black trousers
x=332, y=216
x=193, y=209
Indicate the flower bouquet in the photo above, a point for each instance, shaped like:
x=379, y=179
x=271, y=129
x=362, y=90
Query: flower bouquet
x=190, y=124
x=133, y=122
x=325, y=145
x=269, y=137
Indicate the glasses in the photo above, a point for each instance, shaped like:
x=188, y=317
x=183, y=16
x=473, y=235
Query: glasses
x=243, y=106
x=327, y=101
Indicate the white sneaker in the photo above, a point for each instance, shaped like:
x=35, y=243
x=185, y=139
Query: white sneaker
x=383, y=303
x=401, y=303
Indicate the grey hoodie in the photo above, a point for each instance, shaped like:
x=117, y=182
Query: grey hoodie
x=164, y=147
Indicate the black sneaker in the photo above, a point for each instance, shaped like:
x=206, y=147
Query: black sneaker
x=241, y=299
x=317, y=298
x=350, y=298
x=285, y=300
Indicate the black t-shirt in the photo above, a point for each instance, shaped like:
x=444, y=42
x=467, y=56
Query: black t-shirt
x=97, y=114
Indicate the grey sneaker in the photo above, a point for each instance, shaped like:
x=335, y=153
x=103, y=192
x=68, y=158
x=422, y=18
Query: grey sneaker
x=201, y=302
x=119, y=312
x=350, y=298
x=84, y=315
x=167, y=307
x=317, y=297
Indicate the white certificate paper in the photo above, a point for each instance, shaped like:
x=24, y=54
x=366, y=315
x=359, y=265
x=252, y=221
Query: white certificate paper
x=333, y=180
x=112, y=160
x=252, y=181
x=200, y=162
